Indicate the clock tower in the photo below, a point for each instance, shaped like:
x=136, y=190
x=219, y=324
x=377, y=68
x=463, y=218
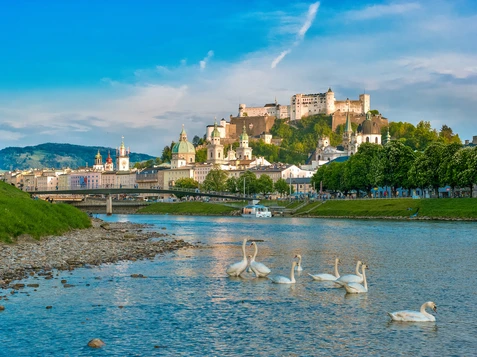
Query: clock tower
x=122, y=157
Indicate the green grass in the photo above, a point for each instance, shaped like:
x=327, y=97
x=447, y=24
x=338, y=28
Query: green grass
x=194, y=208
x=19, y=214
x=465, y=208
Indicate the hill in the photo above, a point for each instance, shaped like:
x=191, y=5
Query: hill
x=37, y=218
x=57, y=156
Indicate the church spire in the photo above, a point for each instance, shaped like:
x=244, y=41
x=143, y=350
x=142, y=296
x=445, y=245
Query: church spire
x=348, y=128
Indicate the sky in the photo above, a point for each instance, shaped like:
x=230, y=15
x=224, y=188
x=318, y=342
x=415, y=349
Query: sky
x=89, y=72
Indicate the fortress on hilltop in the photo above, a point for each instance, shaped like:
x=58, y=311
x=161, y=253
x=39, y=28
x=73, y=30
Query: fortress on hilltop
x=302, y=105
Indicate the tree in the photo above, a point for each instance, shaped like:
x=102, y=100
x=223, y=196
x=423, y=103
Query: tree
x=281, y=186
x=186, y=183
x=201, y=155
x=215, y=180
x=397, y=159
x=447, y=136
x=447, y=167
x=264, y=184
x=466, y=167
x=167, y=153
x=231, y=185
x=247, y=180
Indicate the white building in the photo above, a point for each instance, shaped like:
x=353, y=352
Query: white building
x=302, y=105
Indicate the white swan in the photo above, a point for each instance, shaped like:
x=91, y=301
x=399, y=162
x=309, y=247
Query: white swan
x=327, y=277
x=298, y=266
x=238, y=268
x=260, y=270
x=356, y=288
x=284, y=280
x=415, y=316
x=352, y=278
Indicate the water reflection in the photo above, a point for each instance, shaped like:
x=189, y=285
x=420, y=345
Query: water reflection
x=189, y=307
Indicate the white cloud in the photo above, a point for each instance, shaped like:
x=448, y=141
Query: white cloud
x=376, y=11
x=310, y=17
x=280, y=57
x=206, y=59
x=10, y=135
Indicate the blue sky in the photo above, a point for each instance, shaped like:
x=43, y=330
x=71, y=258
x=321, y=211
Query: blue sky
x=88, y=72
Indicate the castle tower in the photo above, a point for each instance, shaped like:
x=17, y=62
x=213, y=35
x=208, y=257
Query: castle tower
x=330, y=102
x=215, y=150
x=122, y=157
x=98, y=162
x=244, y=152
x=365, y=100
x=109, y=163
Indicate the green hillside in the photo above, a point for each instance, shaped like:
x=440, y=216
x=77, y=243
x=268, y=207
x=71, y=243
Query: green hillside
x=57, y=156
x=22, y=215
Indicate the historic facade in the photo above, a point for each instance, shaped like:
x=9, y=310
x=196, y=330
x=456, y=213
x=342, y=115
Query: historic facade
x=183, y=152
x=302, y=105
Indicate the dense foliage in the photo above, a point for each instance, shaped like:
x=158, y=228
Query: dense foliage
x=37, y=218
x=57, y=156
x=396, y=165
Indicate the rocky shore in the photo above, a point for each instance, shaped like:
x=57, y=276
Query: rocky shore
x=103, y=243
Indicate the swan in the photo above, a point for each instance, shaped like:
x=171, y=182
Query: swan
x=327, y=277
x=238, y=268
x=415, y=316
x=352, y=278
x=284, y=280
x=356, y=288
x=260, y=270
x=249, y=269
x=298, y=266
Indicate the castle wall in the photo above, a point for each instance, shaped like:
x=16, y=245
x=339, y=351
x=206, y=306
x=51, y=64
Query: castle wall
x=254, y=125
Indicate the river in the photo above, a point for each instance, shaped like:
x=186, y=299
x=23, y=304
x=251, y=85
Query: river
x=187, y=306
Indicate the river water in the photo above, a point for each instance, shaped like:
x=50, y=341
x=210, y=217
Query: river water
x=187, y=306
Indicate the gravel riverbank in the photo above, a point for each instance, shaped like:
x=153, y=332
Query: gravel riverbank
x=103, y=243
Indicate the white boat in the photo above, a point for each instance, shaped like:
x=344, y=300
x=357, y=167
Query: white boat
x=256, y=211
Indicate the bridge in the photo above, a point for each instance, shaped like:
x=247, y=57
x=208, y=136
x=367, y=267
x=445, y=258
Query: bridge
x=110, y=192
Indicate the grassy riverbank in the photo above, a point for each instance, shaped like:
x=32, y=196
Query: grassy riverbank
x=458, y=208
x=462, y=208
x=19, y=214
x=192, y=208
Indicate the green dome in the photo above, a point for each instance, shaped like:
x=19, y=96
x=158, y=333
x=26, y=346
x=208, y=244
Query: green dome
x=244, y=135
x=183, y=147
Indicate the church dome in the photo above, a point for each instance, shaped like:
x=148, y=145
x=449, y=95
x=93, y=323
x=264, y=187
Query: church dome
x=367, y=127
x=183, y=147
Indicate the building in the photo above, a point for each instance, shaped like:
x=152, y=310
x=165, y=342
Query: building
x=98, y=162
x=303, y=105
x=122, y=157
x=183, y=152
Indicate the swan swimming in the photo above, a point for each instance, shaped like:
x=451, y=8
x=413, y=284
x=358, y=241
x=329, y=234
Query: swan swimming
x=327, y=277
x=260, y=270
x=356, y=288
x=284, y=280
x=415, y=316
x=352, y=278
x=238, y=268
x=298, y=266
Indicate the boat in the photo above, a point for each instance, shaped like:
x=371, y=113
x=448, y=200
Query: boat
x=255, y=210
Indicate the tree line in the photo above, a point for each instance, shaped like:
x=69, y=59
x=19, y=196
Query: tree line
x=217, y=180
x=397, y=165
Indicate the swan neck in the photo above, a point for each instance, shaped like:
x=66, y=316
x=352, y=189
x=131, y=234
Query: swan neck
x=299, y=261
x=256, y=251
x=423, y=310
x=358, y=264
x=292, y=274
x=337, y=274
x=365, y=283
x=243, y=250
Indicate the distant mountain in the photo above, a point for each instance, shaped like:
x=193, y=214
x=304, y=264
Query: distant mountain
x=51, y=155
